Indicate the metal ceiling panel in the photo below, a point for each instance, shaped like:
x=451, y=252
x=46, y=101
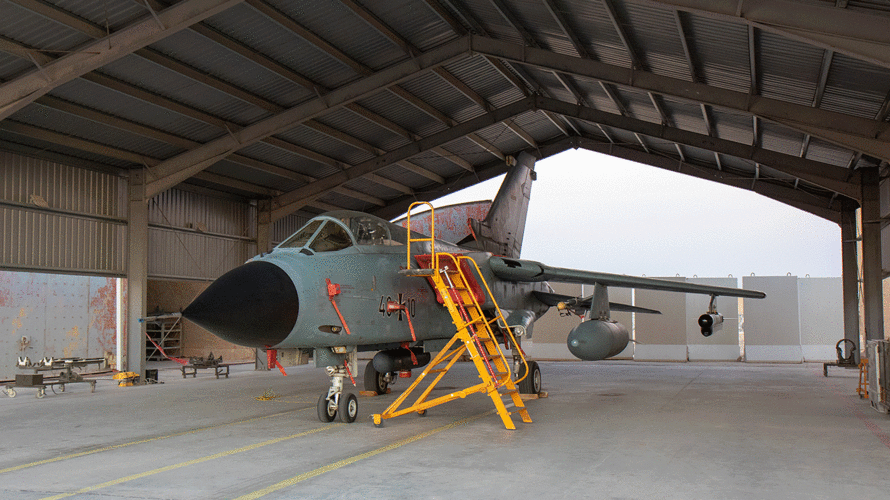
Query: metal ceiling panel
x=779, y=138
x=534, y=17
x=397, y=110
x=591, y=23
x=246, y=24
x=438, y=93
x=97, y=97
x=501, y=137
x=685, y=115
x=594, y=94
x=855, y=87
x=638, y=104
x=828, y=153
x=416, y=22
x=262, y=179
x=38, y=32
x=478, y=74
x=145, y=74
x=733, y=126
x=325, y=145
x=492, y=21
x=209, y=57
x=43, y=145
x=787, y=70
x=12, y=66
x=362, y=129
x=720, y=49
x=537, y=125
x=75, y=126
x=279, y=157
x=341, y=27
x=655, y=38
x=110, y=14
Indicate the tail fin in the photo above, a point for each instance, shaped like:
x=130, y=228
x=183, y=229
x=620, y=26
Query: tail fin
x=503, y=228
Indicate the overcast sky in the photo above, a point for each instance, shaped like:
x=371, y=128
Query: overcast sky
x=595, y=212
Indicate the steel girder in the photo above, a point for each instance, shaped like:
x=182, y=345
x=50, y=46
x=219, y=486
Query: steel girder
x=829, y=177
x=857, y=34
x=181, y=167
x=18, y=93
x=859, y=134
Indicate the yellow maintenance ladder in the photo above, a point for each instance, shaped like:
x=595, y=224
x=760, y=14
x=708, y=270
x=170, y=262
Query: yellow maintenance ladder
x=474, y=337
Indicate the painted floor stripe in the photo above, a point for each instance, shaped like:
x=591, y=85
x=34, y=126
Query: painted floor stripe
x=143, y=441
x=342, y=463
x=188, y=463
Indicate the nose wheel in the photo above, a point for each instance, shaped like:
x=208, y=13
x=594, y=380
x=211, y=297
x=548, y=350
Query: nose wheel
x=335, y=401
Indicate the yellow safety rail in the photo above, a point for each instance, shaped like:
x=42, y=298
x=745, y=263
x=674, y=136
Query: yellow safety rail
x=474, y=337
x=431, y=239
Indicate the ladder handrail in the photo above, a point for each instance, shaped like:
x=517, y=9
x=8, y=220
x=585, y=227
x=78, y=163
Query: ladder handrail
x=434, y=263
x=500, y=314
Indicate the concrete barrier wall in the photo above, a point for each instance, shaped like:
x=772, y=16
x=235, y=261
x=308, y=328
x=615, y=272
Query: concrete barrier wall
x=800, y=320
x=724, y=344
x=772, y=325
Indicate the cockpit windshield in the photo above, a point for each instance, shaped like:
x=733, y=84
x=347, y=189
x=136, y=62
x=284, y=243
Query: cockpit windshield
x=324, y=234
x=301, y=237
x=330, y=238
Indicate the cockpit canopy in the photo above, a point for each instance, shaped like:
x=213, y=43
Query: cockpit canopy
x=341, y=229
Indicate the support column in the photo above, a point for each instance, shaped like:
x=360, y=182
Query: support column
x=850, y=263
x=263, y=226
x=872, y=274
x=263, y=244
x=137, y=272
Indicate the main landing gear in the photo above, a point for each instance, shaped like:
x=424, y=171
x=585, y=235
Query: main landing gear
x=376, y=381
x=336, y=401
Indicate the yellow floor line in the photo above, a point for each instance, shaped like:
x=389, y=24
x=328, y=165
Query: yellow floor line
x=188, y=463
x=342, y=463
x=143, y=441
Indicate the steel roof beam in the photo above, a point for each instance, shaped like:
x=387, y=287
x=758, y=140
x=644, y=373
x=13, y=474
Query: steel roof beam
x=861, y=134
x=827, y=58
x=183, y=166
x=789, y=196
x=292, y=201
x=862, y=35
x=368, y=17
x=486, y=171
x=20, y=92
x=826, y=176
x=529, y=80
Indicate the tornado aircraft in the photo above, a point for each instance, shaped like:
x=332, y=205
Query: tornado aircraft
x=334, y=287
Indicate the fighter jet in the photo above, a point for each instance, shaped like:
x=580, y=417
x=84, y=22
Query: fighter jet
x=335, y=287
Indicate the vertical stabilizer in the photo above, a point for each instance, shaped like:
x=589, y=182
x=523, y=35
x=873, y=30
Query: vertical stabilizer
x=502, y=230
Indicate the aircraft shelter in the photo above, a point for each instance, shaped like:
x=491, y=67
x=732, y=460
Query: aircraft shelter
x=138, y=140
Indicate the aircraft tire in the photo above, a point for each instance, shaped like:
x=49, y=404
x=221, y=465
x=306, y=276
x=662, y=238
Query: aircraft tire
x=374, y=380
x=532, y=383
x=325, y=411
x=348, y=409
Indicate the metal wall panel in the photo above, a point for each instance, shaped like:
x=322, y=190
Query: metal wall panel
x=60, y=218
x=53, y=315
x=45, y=241
x=176, y=254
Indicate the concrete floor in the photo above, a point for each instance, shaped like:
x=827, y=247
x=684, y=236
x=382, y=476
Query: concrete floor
x=608, y=430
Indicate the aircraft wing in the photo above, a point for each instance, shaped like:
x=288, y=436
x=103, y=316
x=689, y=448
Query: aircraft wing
x=553, y=299
x=529, y=270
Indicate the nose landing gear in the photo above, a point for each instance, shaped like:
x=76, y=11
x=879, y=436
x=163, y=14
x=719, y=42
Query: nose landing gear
x=335, y=401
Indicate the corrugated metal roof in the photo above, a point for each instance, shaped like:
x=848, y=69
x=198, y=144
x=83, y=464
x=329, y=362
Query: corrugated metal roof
x=786, y=70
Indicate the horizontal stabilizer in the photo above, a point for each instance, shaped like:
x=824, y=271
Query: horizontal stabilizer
x=551, y=299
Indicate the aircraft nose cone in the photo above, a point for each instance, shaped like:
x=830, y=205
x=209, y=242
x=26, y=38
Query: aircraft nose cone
x=253, y=305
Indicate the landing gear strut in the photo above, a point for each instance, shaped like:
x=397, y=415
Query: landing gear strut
x=335, y=401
